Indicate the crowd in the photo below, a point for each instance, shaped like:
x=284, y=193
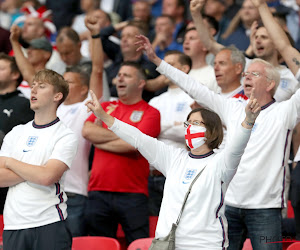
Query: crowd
x=214, y=81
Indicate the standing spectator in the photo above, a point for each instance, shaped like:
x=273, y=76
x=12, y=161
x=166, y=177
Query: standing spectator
x=15, y=107
x=163, y=41
x=73, y=113
x=34, y=158
x=118, y=186
x=174, y=106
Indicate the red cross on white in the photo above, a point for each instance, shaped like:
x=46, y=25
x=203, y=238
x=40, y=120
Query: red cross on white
x=189, y=136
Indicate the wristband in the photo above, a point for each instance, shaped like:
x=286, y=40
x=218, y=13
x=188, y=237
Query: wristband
x=249, y=123
x=96, y=36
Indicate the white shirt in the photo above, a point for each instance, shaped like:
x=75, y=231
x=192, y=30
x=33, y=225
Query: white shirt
x=31, y=205
x=203, y=224
x=259, y=181
x=74, y=116
x=207, y=76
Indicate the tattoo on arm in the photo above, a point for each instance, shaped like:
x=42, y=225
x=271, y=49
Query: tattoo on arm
x=296, y=61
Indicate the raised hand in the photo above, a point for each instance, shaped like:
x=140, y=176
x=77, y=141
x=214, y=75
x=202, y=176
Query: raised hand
x=252, y=109
x=257, y=3
x=15, y=33
x=145, y=45
x=93, y=24
x=94, y=105
x=196, y=6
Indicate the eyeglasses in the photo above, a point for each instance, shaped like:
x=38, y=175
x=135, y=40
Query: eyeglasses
x=195, y=123
x=254, y=74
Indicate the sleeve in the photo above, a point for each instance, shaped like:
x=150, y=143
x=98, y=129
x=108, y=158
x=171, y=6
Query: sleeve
x=65, y=149
x=110, y=48
x=290, y=110
x=233, y=153
x=157, y=153
x=200, y=93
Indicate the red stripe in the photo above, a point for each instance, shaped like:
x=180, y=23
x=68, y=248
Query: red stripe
x=190, y=136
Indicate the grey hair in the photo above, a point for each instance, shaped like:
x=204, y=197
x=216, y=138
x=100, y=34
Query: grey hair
x=272, y=73
x=236, y=55
x=84, y=76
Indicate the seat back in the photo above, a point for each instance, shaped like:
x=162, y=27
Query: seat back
x=247, y=245
x=95, y=243
x=294, y=246
x=140, y=244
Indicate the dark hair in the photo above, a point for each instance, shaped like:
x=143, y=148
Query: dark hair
x=67, y=32
x=56, y=80
x=13, y=66
x=212, y=22
x=84, y=76
x=213, y=125
x=172, y=20
x=141, y=71
x=182, y=58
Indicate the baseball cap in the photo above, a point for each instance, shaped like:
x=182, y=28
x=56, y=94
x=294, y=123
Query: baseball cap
x=41, y=43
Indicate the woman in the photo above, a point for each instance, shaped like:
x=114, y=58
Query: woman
x=203, y=224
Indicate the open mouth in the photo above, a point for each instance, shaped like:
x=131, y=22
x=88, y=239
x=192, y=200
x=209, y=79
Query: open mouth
x=33, y=99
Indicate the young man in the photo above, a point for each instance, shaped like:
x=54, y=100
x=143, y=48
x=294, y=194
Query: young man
x=34, y=158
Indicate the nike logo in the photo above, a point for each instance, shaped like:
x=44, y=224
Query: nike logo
x=26, y=150
x=7, y=112
x=185, y=182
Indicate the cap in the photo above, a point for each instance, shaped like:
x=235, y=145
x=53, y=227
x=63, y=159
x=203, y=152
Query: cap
x=41, y=43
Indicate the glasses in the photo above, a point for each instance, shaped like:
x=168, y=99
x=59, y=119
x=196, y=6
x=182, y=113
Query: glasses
x=254, y=74
x=195, y=123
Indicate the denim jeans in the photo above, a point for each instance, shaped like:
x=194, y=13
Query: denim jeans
x=156, y=189
x=105, y=210
x=262, y=226
x=75, y=221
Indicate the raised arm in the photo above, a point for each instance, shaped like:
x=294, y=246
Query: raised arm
x=24, y=65
x=278, y=36
x=96, y=81
x=196, y=7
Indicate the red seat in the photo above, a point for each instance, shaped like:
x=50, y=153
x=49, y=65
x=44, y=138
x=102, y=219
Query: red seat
x=95, y=243
x=247, y=245
x=140, y=244
x=1, y=230
x=294, y=246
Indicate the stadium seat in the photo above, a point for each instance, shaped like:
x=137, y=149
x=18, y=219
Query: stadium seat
x=1, y=230
x=95, y=243
x=294, y=246
x=140, y=244
x=247, y=245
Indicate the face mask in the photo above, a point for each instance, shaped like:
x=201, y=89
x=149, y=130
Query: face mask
x=195, y=136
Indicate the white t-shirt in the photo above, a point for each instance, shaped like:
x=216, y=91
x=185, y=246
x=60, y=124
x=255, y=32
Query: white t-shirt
x=31, y=205
x=203, y=224
x=206, y=75
x=74, y=116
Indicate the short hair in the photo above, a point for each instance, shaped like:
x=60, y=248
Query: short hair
x=211, y=21
x=271, y=73
x=236, y=55
x=84, y=76
x=138, y=67
x=67, y=32
x=172, y=20
x=140, y=25
x=56, y=80
x=13, y=66
x=180, y=3
x=182, y=58
x=213, y=125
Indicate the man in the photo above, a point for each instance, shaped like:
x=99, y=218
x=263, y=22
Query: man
x=15, y=108
x=34, y=158
x=38, y=54
x=126, y=52
x=193, y=47
x=163, y=41
x=118, y=186
x=255, y=195
x=73, y=113
x=174, y=106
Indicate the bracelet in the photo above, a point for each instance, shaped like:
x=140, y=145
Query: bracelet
x=96, y=36
x=249, y=123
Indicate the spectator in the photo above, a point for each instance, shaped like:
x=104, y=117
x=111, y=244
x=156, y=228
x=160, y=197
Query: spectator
x=118, y=186
x=202, y=220
x=248, y=196
x=9, y=11
x=15, y=107
x=5, y=45
x=174, y=106
x=73, y=113
x=293, y=24
x=120, y=7
x=163, y=41
x=141, y=10
x=34, y=158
